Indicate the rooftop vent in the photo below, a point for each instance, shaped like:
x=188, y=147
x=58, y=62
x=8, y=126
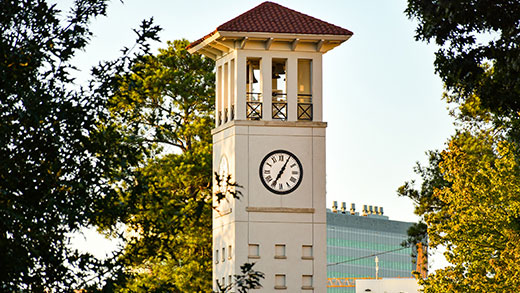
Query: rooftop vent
x=335, y=206
x=343, y=207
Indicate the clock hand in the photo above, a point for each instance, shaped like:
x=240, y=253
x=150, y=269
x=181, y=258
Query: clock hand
x=281, y=172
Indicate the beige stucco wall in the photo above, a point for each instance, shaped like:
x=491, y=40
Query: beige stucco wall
x=252, y=219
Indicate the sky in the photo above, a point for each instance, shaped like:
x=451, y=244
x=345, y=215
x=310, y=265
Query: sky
x=381, y=96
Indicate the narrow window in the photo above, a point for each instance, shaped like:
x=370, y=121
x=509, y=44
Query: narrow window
x=254, y=251
x=223, y=254
x=229, y=252
x=219, y=96
x=279, y=89
x=304, y=89
x=253, y=89
x=216, y=255
x=279, y=282
x=307, y=252
x=232, y=88
x=225, y=92
x=279, y=251
x=230, y=280
x=307, y=282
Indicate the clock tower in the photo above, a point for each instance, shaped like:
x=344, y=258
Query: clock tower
x=270, y=138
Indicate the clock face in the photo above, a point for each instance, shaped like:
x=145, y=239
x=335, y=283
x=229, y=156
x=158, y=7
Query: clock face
x=281, y=172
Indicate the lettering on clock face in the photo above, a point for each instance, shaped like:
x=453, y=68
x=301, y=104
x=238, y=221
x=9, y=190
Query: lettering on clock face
x=281, y=172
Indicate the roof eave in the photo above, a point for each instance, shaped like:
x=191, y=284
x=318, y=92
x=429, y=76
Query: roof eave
x=219, y=43
x=268, y=35
x=210, y=38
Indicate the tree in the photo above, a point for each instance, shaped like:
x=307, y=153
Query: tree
x=171, y=247
x=46, y=173
x=469, y=194
x=167, y=100
x=471, y=33
x=478, y=222
x=470, y=203
x=52, y=167
x=474, y=214
x=165, y=105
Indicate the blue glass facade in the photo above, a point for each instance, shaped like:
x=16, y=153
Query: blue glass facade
x=352, y=237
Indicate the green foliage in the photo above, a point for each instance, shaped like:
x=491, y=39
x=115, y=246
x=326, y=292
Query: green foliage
x=48, y=172
x=471, y=33
x=425, y=201
x=432, y=178
x=169, y=239
x=479, y=223
x=54, y=157
x=470, y=204
x=167, y=100
x=470, y=193
x=165, y=105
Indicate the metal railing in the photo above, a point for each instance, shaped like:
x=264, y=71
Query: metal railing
x=253, y=106
x=226, y=115
x=279, y=106
x=305, y=111
x=279, y=110
x=254, y=110
x=305, y=98
x=279, y=96
x=351, y=282
x=253, y=97
x=305, y=107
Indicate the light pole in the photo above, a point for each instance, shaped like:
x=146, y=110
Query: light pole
x=377, y=267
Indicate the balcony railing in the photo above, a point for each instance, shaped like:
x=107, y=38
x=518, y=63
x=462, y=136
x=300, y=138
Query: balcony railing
x=253, y=106
x=279, y=106
x=253, y=97
x=254, y=110
x=305, y=98
x=232, y=112
x=280, y=110
x=219, y=118
x=305, y=111
x=226, y=115
x=305, y=107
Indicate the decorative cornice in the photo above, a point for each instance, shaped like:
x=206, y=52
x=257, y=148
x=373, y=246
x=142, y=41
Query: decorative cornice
x=280, y=210
x=272, y=123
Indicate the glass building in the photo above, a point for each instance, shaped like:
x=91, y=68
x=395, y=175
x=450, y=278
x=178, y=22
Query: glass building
x=352, y=237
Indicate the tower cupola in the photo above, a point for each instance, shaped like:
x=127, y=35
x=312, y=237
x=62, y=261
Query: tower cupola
x=269, y=64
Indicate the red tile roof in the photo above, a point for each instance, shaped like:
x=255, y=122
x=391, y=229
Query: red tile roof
x=270, y=17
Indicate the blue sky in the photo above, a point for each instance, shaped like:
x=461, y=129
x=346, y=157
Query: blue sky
x=382, y=99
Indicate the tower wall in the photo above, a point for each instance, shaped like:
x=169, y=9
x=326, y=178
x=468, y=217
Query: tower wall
x=262, y=218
